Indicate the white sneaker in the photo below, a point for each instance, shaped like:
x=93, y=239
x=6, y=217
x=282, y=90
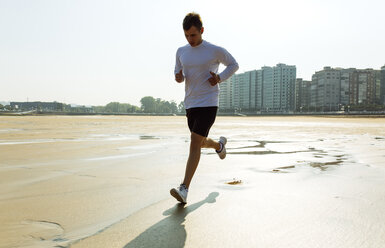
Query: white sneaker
x=222, y=152
x=180, y=193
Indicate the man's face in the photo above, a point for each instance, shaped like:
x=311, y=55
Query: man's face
x=194, y=36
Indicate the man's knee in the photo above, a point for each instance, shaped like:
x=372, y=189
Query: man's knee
x=205, y=143
x=197, y=140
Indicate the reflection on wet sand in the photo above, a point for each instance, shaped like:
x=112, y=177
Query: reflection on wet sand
x=148, y=137
x=256, y=150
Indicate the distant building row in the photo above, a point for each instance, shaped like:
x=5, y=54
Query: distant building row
x=335, y=89
x=49, y=107
x=267, y=89
x=276, y=89
x=45, y=106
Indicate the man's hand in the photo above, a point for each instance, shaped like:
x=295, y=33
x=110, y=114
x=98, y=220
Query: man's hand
x=179, y=77
x=214, y=79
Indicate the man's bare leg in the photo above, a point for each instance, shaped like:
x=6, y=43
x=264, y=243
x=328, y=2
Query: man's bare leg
x=193, y=158
x=197, y=142
x=209, y=143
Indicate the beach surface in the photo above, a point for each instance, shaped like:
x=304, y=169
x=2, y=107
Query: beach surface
x=104, y=181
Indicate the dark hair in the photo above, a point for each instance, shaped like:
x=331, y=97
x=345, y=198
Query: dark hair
x=192, y=19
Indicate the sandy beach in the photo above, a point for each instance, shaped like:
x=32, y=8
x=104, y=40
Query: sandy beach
x=104, y=181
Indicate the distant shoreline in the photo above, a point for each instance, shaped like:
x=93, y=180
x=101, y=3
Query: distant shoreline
x=343, y=115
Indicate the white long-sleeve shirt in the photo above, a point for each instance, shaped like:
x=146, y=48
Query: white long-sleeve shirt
x=196, y=64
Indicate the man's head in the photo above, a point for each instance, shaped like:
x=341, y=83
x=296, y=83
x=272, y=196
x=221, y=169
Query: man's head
x=193, y=30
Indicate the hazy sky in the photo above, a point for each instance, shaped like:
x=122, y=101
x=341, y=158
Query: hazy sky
x=96, y=51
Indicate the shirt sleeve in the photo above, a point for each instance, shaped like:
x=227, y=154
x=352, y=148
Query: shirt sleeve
x=178, y=64
x=228, y=60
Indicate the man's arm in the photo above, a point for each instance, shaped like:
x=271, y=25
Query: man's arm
x=178, y=69
x=231, y=64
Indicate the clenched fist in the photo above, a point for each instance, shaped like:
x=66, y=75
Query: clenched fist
x=179, y=77
x=214, y=78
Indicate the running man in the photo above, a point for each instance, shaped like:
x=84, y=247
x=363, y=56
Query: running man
x=197, y=64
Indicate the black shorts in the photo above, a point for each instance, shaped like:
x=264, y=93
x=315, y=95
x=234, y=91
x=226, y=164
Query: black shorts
x=201, y=119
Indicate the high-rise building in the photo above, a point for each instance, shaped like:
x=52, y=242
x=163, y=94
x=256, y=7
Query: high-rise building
x=313, y=96
x=298, y=93
x=269, y=89
x=382, y=86
x=256, y=90
x=268, y=85
x=345, y=77
x=302, y=94
x=225, y=96
x=241, y=91
x=278, y=88
x=247, y=91
x=327, y=82
x=363, y=86
x=333, y=88
x=377, y=83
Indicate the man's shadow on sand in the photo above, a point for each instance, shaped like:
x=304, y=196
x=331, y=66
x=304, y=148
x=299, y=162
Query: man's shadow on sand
x=169, y=232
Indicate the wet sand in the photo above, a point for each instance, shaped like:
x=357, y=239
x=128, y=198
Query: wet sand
x=103, y=181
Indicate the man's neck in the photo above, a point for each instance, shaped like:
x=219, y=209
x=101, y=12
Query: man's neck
x=198, y=43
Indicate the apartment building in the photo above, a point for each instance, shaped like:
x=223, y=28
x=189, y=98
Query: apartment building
x=225, y=96
x=302, y=94
x=279, y=88
x=365, y=87
x=327, y=86
x=382, y=86
x=270, y=89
